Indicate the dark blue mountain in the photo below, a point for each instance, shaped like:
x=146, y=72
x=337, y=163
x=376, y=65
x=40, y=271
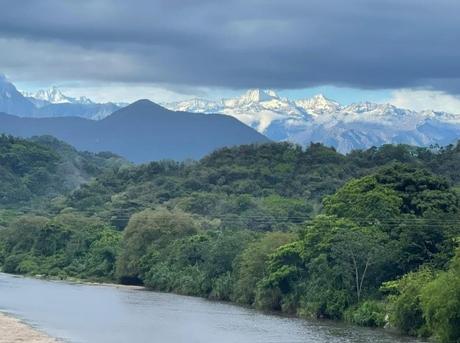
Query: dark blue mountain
x=140, y=132
x=91, y=111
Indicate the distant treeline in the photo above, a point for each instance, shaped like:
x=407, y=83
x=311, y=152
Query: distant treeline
x=371, y=237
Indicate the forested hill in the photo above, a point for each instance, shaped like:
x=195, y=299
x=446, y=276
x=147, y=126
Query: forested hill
x=255, y=186
x=43, y=168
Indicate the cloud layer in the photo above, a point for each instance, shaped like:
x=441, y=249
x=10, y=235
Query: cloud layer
x=420, y=100
x=287, y=44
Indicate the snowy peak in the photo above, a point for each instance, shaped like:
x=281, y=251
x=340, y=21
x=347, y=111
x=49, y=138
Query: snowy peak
x=54, y=95
x=371, y=111
x=84, y=100
x=258, y=95
x=197, y=105
x=49, y=103
x=256, y=105
x=319, y=119
x=441, y=116
x=318, y=104
x=363, y=107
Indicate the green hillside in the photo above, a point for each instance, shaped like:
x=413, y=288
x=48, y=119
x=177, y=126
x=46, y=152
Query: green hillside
x=43, y=168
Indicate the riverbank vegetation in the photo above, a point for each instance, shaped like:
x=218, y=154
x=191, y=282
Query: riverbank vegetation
x=371, y=237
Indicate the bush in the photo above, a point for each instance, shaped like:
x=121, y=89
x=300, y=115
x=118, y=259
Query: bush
x=440, y=301
x=222, y=287
x=190, y=281
x=368, y=313
x=405, y=309
x=251, y=264
x=323, y=303
x=11, y=264
x=159, y=277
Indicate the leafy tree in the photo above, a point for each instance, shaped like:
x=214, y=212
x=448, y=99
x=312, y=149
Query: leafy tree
x=364, y=200
x=252, y=263
x=102, y=254
x=278, y=290
x=359, y=250
x=147, y=228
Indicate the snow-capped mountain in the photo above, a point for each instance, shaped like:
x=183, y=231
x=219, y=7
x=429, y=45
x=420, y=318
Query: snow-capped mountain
x=54, y=95
x=318, y=105
x=53, y=102
x=50, y=103
x=319, y=119
x=12, y=101
x=315, y=119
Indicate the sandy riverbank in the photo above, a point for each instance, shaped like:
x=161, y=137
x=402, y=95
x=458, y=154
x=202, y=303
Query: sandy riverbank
x=82, y=282
x=14, y=331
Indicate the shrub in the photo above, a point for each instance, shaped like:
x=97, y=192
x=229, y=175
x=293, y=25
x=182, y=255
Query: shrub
x=405, y=309
x=222, y=287
x=368, y=313
x=440, y=301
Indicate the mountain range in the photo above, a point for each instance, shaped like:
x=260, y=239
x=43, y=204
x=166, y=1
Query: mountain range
x=319, y=119
x=53, y=95
x=314, y=119
x=140, y=132
x=50, y=103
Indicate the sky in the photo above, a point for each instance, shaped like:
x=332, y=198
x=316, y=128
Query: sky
x=406, y=52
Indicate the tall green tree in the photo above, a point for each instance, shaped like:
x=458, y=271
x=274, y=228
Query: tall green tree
x=150, y=228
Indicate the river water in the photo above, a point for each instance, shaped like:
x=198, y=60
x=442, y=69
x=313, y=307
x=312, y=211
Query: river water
x=104, y=314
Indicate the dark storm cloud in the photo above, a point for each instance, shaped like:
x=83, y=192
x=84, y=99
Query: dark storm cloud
x=236, y=44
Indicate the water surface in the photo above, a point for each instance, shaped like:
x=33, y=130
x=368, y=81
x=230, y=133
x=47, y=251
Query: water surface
x=103, y=314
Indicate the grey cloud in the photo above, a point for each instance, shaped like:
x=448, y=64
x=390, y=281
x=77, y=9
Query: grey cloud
x=235, y=44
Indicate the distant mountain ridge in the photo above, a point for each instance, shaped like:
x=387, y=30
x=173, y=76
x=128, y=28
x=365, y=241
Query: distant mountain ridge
x=53, y=95
x=314, y=119
x=49, y=103
x=140, y=132
x=319, y=119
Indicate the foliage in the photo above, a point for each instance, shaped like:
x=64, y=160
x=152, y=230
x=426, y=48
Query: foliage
x=150, y=228
x=440, y=302
x=427, y=302
x=275, y=226
x=251, y=264
x=65, y=246
x=368, y=313
x=44, y=167
x=405, y=307
x=327, y=270
x=364, y=199
x=201, y=264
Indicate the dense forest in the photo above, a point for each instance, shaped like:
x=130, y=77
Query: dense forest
x=371, y=237
x=44, y=167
